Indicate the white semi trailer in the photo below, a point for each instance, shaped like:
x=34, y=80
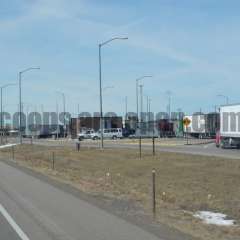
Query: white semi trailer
x=229, y=135
x=196, y=128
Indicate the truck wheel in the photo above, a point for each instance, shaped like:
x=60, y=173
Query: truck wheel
x=222, y=145
x=114, y=137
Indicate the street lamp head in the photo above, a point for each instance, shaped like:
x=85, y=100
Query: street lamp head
x=112, y=39
x=8, y=85
x=145, y=76
x=29, y=69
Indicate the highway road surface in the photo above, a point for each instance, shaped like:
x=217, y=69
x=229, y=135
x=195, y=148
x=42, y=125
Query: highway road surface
x=208, y=149
x=6, y=230
x=31, y=208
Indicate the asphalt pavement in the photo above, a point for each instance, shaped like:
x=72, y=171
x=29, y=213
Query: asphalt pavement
x=207, y=149
x=45, y=212
x=6, y=230
x=42, y=211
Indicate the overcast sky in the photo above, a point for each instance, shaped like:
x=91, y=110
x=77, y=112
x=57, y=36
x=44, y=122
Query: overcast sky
x=190, y=47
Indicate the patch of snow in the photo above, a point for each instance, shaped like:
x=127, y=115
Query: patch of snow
x=7, y=146
x=214, y=218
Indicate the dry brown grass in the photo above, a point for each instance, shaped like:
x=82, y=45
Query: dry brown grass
x=185, y=183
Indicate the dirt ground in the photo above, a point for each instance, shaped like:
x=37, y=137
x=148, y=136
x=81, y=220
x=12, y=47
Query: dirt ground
x=184, y=183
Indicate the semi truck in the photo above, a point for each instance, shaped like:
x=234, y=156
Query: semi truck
x=203, y=125
x=229, y=134
x=196, y=128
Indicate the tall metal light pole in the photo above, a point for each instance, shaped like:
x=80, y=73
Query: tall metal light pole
x=147, y=105
x=2, y=87
x=137, y=86
x=169, y=94
x=64, y=111
x=224, y=96
x=57, y=135
x=141, y=102
x=126, y=107
x=149, y=109
x=100, y=80
x=20, y=98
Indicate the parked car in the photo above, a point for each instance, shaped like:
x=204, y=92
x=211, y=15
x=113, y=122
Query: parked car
x=128, y=132
x=111, y=133
x=86, y=134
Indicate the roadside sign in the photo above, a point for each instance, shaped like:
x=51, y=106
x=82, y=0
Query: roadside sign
x=186, y=122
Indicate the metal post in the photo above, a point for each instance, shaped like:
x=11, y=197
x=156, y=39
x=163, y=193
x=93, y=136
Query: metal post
x=153, y=142
x=140, y=147
x=53, y=160
x=78, y=146
x=13, y=153
x=100, y=89
x=154, y=191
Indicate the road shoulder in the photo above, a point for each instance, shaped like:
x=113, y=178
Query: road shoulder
x=124, y=209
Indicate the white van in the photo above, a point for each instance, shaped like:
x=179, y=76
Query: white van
x=111, y=133
x=87, y=134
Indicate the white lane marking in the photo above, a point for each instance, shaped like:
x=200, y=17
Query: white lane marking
x=13, y=224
